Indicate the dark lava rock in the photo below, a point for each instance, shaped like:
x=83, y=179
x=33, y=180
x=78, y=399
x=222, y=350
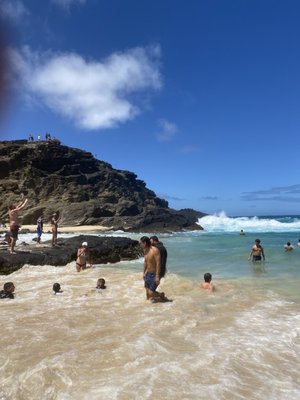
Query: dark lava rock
x=82, y=189
x=102, y=249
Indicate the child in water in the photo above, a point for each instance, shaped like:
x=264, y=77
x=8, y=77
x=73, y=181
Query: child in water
x=207, y=282
x=57, y=288
x=101, y=283
x=8, y=291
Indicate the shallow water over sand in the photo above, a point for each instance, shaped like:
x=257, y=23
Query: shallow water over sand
x=241, y=342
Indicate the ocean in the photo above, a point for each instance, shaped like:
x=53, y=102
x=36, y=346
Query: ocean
x=240, y=342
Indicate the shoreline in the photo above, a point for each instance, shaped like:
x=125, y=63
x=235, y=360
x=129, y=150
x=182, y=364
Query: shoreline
x=67, y=229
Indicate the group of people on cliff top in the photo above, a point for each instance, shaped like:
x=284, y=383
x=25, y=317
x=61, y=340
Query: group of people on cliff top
x=39, y=137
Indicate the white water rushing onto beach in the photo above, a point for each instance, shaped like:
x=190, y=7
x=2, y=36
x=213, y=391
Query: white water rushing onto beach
x=240, y=342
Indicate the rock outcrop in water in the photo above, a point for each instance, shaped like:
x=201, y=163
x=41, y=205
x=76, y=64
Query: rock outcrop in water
x=103, y=250
x=82, y=189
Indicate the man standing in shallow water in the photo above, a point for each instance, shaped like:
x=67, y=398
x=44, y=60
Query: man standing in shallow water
x=152, y=270
x=151, y=267
x=257, y=252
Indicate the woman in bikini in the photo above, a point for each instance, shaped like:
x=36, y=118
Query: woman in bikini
x=83, y=256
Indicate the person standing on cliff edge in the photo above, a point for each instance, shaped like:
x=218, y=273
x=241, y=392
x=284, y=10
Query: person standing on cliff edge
x=13, y=212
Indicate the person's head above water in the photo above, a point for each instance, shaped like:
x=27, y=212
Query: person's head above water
x=56, y=288
x=207, y=277
x=101, y=283
x=9, y=287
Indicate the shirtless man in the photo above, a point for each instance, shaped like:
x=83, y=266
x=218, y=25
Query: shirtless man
x=151, y=267
x=83, y=256
x=257, y=252
x=54, y=225
x=13, y=212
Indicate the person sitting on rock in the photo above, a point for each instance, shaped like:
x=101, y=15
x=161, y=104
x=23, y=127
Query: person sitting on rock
x=8, y=291
x=83, y=256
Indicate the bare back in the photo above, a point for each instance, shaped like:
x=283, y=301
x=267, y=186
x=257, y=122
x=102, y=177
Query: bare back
x=152, y=260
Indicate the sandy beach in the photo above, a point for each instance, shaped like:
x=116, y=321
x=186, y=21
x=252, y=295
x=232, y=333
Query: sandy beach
x=67, y=229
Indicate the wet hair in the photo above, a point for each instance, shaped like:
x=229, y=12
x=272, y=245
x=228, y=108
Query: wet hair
x=154, y=238
x=257, y=241
x=288, y=243
x=207, y=277
x=101, y=283
x=12, y=206
x=145, y=239
x=8, y=286
x=56, y=287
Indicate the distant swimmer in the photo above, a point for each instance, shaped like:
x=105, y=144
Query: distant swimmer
x=257, y=252
x=8, y=291
x=242, y=233
x=207, y=284
x=288, y=247
x=56, y=288
x=13, y=212
x=101, y=283
x=83, y=256
x=298, y=244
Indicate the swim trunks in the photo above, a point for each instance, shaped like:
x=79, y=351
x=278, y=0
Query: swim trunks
x=14, y=230
x=256, y=258
x=150, y=281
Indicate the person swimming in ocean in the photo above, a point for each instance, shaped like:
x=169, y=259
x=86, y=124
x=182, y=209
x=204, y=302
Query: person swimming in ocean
x=56, y=288
x=257, y=252
x=101, y=283
x=8, y=291
x=288, y=247
x=207, y=282
x=83, y=256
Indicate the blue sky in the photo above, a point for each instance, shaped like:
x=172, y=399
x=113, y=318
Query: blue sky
x=199, y=98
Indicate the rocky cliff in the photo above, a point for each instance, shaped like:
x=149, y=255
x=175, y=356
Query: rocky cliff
x=82, y=189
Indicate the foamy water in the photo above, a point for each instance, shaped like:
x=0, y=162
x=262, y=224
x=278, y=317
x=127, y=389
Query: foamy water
x=222, y=223
x=237, y=343
x=241, y=342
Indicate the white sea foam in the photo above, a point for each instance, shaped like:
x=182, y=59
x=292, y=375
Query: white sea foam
x=222, y=223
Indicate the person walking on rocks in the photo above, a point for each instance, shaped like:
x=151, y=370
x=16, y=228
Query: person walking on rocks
x=39, y=228
x=13, y=212
x=54, y=226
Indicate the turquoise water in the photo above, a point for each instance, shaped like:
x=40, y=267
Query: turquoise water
x=240, y=342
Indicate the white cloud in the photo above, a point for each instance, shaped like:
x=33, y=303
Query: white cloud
x=167, y=130
x=92, y=94
x=189, y=149
x=14, y=10
x=68, y=3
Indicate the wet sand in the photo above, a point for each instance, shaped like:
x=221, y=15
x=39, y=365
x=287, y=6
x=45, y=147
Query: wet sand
x=69, y=229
